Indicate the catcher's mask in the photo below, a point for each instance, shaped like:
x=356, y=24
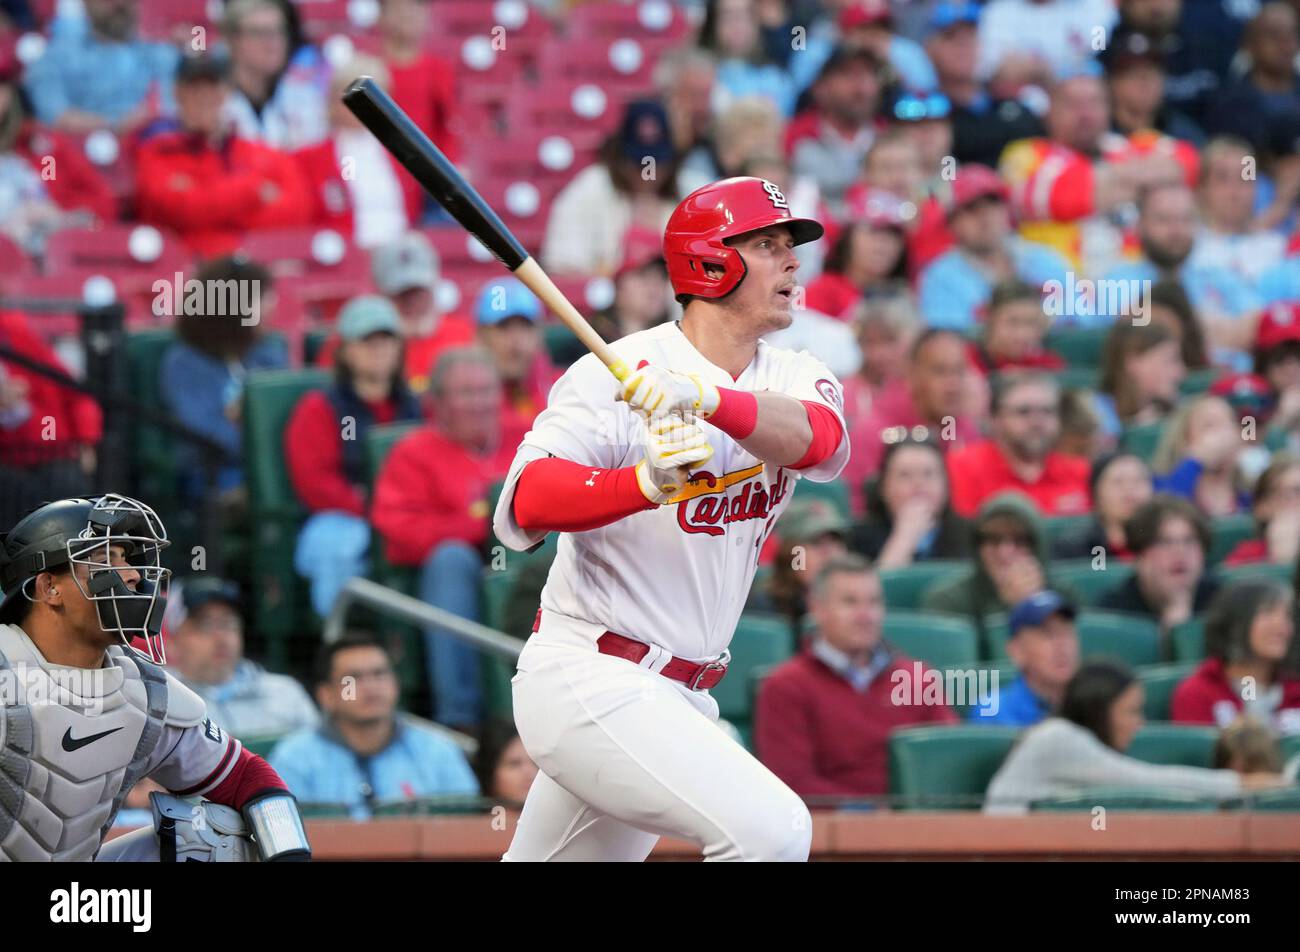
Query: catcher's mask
x=74, y=532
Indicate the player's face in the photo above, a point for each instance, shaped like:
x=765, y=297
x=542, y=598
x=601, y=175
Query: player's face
x=849, y=612
x=764, y=297
x=83, y=614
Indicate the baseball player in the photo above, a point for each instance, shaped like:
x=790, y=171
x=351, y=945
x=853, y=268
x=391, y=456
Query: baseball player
x=664, y=489
x=85, y=714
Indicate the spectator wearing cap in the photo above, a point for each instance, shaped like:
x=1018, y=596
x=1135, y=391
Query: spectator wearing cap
x=869, y=25
x=205, y=181
x=430, y=508
x=1119, y=483
x=423, y=84
x=1057, y=33
x=205, y=648
x=1069, y=181
x=1169, y=539
x=34, y=203
x=357, y=188
x=1043, y=644
x=1250, y=664
x=97, y=73
x=909, y=515
x=1083, y=746
x=955, y=287
x=982, y=124
x=931, y=400
x=509, y=328
x=278, y=92
x=202, y=375
x=591, y=215
x=34, y=469
x=1231, y=236
x=809, y=534
x=1013, y=332
x=731, y=31
x=325, y=443
x=1020, y=454
x=366, y=753
x=828, y=141
x=1166, y=230
x=642, y=295
x=1200, y=455
x=867, y=259
x=1277, y=516
x=925, y=118
x=822, y=720
x=1009, y=563
x=1141, y=370
x=406, y=272
x=1269, y=89
x=1277, y=368
x=1135, y=78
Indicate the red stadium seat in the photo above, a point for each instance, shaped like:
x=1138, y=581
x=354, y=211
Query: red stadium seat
x=561, y=104
x=13, y=259
x=52, y=300
x=522, y=27
x=292, y=252
x=159, y=20
x=118, y=248
x=656, y=22
x=624, y=65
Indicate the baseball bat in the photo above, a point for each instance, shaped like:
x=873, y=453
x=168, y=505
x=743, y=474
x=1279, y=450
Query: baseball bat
x=441, y=179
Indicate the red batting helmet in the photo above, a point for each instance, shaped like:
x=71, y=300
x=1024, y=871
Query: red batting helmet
x=700, y=225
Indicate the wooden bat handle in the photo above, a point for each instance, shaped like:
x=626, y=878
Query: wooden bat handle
x=540, y=283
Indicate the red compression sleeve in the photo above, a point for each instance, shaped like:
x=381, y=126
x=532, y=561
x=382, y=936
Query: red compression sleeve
x=737, y=413
x=558, y=495
x=250, y=776
x=826, y=435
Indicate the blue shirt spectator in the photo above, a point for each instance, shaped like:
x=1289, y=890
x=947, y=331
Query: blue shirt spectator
x=1044, y=645
x=1212, y=290
x=96, y=72
x=954, y=287
x=1280, y=282
x=1017, y=706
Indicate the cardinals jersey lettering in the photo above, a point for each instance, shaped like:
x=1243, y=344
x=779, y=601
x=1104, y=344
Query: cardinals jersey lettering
x=676, y=576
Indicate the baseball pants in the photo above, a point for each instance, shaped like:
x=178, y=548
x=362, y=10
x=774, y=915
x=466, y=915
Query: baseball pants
x=627, y=755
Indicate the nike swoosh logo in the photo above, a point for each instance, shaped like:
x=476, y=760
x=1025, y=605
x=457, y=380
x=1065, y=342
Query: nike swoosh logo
x=71, y=743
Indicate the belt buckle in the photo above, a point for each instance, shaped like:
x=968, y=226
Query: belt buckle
x=718, y=664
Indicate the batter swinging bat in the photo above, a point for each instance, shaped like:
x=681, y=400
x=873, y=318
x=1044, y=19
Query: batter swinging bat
x=436, y=174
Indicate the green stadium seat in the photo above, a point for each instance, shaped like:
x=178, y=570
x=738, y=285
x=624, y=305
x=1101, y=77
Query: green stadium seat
x=1285, y=800
x=262, y=746
x=1130, y=638
x=1142, y=439
x=1159, y=681
x=941, y=641
x=836, y=492
x=1079, y=346
x=1188, y=640
x=279, y=599
x=1126, y=798
x=1078, y=378
x=760, y=642
x=1058, y=527
x=153, y=451
x=312, y=343
x=1198, y=381
x=1227, y=532
x=1186, y=744
x=561, y=344
x=1290, y=746
x=1257, y=570
x=905, y=586
x=946, y=767
x=1089, y=582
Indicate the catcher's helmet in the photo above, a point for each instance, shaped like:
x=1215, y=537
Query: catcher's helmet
x=80, y=531
x=706, y=218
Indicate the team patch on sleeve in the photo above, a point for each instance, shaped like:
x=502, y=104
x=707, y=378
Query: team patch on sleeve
x=831, y=393
x=213, y=731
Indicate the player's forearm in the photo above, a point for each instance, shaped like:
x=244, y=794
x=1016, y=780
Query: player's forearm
x=558, y=495
x=777, y=428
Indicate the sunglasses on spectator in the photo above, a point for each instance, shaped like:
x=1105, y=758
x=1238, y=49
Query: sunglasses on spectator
x=1043, y=409
x=912, y=108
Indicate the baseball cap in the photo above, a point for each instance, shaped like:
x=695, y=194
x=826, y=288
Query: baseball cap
x=641, y=246
x=845, y=56
x=1278, y=324
x=949, y=13
x=878, y=208
x=971, y=183
x=408, y=262
x=366, y=315
x=917, y=107
x=1128, y=48
x=644, y=132
x=211, y=66
x=505, y=298
x=187, y=596
x=864, y=13
x=807, y=519
x=1037, y=608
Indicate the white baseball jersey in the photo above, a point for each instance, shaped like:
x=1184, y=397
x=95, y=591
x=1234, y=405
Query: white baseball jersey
x=74, y=741
x=676, y=576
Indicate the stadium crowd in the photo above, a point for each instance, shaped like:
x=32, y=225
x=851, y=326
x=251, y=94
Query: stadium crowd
x=1060, y=283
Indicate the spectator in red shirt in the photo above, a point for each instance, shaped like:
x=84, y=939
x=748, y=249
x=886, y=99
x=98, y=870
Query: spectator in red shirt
x=932, y=398
x=424, y=85
x=406, y=272
x=325, y=445
x=208, y=184
x=48, y=431
x=1120, y=484
x=1014, y=329
x=885, y=330
x=1020, y=456
x=1277, y=514
x=823, y=719
x=46, y=183
x=868, y=257
x=1250, y=665
x=431, y=510
x=509, y=328
x=357, y=188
